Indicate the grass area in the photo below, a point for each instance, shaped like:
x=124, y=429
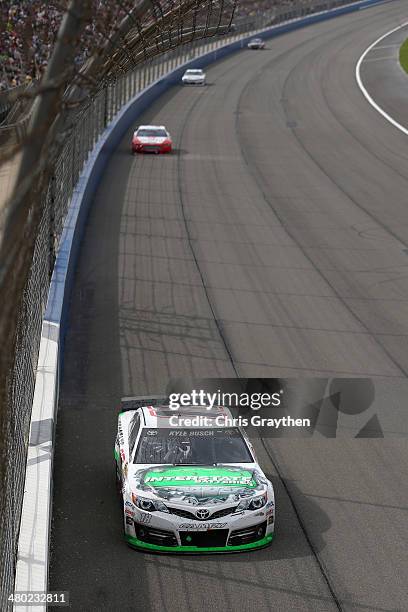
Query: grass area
x=404, y=56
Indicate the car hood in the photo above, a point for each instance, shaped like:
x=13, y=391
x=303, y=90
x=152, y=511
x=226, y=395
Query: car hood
x=199, y=485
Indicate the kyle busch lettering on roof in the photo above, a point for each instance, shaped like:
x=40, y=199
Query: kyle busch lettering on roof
x=189, y=489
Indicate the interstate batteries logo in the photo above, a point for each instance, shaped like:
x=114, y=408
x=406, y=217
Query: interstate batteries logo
x=173, y=477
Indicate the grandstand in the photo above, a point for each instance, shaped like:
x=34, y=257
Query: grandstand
x=28, y=29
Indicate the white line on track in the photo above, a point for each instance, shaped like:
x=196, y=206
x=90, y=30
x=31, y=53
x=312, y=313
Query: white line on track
x=364, y=90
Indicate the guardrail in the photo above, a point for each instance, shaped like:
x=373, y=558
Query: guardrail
x=98, y=128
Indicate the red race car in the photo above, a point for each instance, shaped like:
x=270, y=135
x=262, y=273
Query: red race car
x=151, y=139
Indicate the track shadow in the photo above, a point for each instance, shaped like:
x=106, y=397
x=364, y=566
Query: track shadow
x=290, y=541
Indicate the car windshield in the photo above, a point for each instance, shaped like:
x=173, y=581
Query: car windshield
x=198, y=72
x=153, y=133
x=192, y=446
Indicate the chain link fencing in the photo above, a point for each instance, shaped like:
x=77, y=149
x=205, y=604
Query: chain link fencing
x=82, y=127
x=8, y=99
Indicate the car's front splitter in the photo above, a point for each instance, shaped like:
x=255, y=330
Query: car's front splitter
x=157, y=151
x=135, y=543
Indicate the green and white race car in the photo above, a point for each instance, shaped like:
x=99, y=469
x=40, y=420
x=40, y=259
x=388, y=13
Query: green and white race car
x=192, y=489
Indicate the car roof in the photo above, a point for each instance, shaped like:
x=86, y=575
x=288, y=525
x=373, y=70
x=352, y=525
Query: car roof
x=194, y=70
x=158, y=416
x=151, y=127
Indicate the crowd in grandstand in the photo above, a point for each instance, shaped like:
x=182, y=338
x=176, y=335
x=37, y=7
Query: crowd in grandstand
x=28, y=29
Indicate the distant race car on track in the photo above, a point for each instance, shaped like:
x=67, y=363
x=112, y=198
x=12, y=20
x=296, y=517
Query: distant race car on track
x=151, y=139
x=189, y=486
x=256, y=43
x=194, y=77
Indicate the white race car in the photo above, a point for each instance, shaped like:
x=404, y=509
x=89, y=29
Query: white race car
x=256, y=43
x=194, y=77
x=191, y=486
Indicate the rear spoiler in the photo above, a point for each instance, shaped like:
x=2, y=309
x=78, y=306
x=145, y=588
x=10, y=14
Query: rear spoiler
x=132, y=403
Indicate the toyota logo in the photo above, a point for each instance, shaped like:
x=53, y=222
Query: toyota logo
x=202, y=514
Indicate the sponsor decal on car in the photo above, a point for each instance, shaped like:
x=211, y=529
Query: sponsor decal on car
x=120, y=434
x=171, y=477
x=144, y=517
x=200, y=526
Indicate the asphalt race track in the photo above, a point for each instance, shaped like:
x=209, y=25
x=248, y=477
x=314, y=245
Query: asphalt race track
x=273, y=242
